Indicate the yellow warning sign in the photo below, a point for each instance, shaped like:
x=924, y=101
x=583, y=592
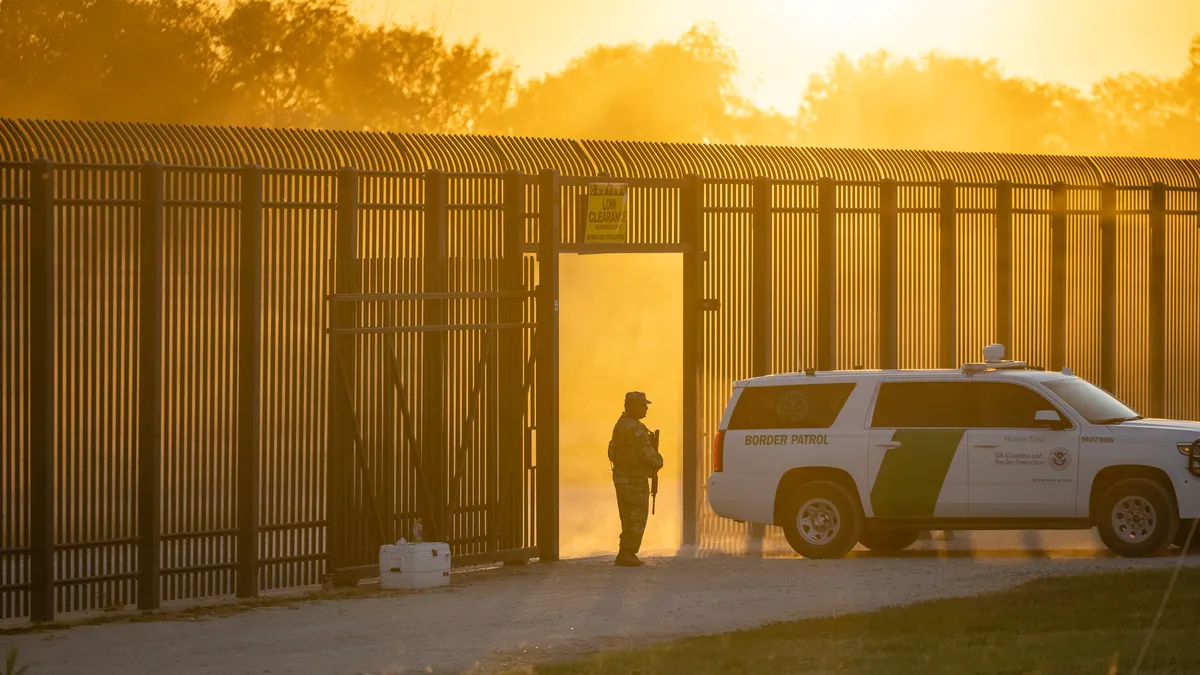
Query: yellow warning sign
x=607, y=213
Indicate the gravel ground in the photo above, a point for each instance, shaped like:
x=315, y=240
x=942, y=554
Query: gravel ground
x=515, y=616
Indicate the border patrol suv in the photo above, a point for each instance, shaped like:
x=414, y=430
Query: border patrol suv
x=874, y=457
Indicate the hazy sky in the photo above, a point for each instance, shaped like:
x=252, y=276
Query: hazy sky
x=781, y=43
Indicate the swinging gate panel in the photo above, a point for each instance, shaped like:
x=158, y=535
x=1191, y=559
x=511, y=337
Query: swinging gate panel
x=432, y=329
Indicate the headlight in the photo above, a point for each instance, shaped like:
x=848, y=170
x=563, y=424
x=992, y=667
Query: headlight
x=1183, y=448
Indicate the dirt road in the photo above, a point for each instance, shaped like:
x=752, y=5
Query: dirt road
x=520, y=615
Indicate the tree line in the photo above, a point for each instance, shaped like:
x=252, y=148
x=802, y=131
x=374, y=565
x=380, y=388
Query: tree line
x=312, y=63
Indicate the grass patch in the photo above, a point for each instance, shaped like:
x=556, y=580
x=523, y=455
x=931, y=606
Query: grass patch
x=10, y=663
x=1083, y=624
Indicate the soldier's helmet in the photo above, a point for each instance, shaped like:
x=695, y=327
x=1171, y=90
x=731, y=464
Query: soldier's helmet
x=636, y=398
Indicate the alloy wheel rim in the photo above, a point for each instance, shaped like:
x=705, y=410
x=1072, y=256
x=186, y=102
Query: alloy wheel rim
x=818, y=521
x=1134, y=519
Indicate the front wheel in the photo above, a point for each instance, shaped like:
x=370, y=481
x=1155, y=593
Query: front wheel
x=821, y=520
x=1136, y=519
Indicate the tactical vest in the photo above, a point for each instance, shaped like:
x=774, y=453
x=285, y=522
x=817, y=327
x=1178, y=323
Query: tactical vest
x=621, y=453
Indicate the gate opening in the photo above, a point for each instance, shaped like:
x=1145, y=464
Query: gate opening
x=621, y=329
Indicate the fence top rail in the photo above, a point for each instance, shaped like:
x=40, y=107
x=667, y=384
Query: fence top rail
x=331, y=149
x=324, y=173
x=375, y=173
x=990, y=185
x=448, y=295
x=489, y=175
x=578, y=180
x=731, y=181
x=441, y=328
x=631, y=181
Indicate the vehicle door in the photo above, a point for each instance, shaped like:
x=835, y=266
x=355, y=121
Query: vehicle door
x=1024, y=454
x=917, y=461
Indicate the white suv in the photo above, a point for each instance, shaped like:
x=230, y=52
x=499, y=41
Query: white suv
x=875, y=457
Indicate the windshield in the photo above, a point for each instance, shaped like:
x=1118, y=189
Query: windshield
x=1095, y=404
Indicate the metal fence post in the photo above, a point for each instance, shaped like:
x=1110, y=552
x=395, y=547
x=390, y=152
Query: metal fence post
x=150, y=354
x=434, y=445
x=948, y=255
x=339, y=452
x=549, y=198
x=1058, y=276
x=1108, y=288
x=249, y=382
x=42, y=380
x=760, y=351
x=827, y=271
x=691, y=233
x=760, y=344
x=1158, y=299
x=889, y=273
x=511, y=374
x=1004, y=265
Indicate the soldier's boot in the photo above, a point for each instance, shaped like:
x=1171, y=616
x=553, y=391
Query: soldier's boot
x=626, y=558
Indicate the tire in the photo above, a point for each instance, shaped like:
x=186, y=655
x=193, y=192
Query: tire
x=1136, y=518
x=1181, y=535
x=821, y=520
x=887, y=540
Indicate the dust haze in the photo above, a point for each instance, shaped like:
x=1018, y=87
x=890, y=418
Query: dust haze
x=621, y=322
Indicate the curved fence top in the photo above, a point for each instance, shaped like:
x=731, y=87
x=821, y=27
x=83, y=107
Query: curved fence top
x=132, y=143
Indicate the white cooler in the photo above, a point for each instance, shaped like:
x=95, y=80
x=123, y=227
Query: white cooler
x=414, y=565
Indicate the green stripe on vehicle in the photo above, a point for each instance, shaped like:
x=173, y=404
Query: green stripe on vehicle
x=911, y=475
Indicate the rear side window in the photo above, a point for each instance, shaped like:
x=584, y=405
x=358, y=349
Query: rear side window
x=970, y=405
x=801, y=406
x=924, y=405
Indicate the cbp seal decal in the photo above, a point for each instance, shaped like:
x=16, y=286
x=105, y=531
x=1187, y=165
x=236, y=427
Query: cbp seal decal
x=1060, y=459
x=792, y=407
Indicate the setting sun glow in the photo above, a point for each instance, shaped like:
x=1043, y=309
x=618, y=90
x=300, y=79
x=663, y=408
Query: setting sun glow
x=781, y=43
x=857, y=24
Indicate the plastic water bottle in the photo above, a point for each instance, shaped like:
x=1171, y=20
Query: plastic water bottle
x=417, y=531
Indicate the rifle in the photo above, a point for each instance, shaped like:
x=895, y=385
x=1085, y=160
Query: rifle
x=654, y=479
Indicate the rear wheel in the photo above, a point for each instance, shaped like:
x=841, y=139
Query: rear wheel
x=878, y=539
x=1136, y=519
x=821, y=520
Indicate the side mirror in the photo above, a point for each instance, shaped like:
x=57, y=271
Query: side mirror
x=1050, y=419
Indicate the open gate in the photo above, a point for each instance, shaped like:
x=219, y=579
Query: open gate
x=437, y=340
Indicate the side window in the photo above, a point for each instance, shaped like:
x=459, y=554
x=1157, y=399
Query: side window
x=924, y=405
x=1003, y=405
x=803, y=406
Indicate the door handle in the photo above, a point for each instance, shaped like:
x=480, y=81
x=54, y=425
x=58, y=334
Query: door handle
x=887, y=445
x=986, y=445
